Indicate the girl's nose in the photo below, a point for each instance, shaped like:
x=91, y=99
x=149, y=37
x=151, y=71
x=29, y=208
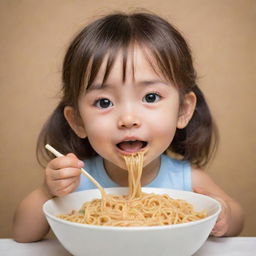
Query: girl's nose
x=128, y=121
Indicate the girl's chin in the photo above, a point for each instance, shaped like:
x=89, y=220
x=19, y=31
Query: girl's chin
x=114, y=164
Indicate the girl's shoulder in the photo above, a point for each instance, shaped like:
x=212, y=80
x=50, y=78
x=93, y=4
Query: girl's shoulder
x=173, y=174
x=174, y=164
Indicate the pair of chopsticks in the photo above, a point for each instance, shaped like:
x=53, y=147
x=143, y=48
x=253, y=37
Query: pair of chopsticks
x=58, y=154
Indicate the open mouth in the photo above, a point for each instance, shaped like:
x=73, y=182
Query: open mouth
x=132, y=146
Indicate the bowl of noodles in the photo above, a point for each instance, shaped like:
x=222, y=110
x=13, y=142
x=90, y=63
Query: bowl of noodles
x=156, y=222
x=132, y=221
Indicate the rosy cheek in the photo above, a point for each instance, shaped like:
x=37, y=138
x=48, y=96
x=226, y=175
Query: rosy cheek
x=164, y=123
x=98, y=129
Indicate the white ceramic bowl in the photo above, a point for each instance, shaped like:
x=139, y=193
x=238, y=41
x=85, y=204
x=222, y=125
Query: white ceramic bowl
x=179, y=239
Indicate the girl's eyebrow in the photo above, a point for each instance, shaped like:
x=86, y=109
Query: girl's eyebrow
x=97, y=86
x=100, y=86
x=152, y=82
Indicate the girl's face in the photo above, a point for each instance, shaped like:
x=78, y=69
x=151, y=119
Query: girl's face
x=119, y=117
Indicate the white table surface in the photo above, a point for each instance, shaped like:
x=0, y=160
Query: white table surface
x=228, y=246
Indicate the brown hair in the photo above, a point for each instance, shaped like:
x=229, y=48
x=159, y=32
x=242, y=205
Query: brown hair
x=119, y=31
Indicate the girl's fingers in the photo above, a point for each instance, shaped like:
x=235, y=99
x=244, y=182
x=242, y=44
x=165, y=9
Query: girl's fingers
x=70, y=187
x=70, y=160
x=217, y=233
x=220, y=228
x=221, y=225
x=62, y=184
x=64, y=173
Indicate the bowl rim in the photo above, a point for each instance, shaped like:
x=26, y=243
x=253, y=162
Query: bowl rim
x=135, y=228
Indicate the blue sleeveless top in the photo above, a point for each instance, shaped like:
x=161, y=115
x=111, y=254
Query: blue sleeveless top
x=173, y=174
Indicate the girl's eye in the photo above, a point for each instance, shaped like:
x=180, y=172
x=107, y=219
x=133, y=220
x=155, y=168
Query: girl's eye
x=103, y=103
x=151, y=97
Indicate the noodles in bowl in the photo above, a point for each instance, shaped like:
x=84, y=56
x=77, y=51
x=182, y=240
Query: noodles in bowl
x=127, y=238
x=146, y=210
x=94, y=240
x=136, y=208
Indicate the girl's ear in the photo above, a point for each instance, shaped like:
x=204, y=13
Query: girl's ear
x=186, y=110
x=74, y=122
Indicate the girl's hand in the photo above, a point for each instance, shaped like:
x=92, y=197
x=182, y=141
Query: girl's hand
x=62, y=175
x=223, y=222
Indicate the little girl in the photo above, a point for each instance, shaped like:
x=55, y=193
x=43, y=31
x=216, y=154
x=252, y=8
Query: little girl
x=128, y=84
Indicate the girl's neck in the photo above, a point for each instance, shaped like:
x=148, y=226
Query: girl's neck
x=120, y=176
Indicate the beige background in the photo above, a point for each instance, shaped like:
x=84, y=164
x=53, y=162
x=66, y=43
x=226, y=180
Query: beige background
x=34, y=36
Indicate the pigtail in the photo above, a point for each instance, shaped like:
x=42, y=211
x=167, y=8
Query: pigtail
x=57, y=132
x=198, y=141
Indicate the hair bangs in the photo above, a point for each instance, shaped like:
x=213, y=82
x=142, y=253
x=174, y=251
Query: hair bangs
x=108, y=59
x=114, y=35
